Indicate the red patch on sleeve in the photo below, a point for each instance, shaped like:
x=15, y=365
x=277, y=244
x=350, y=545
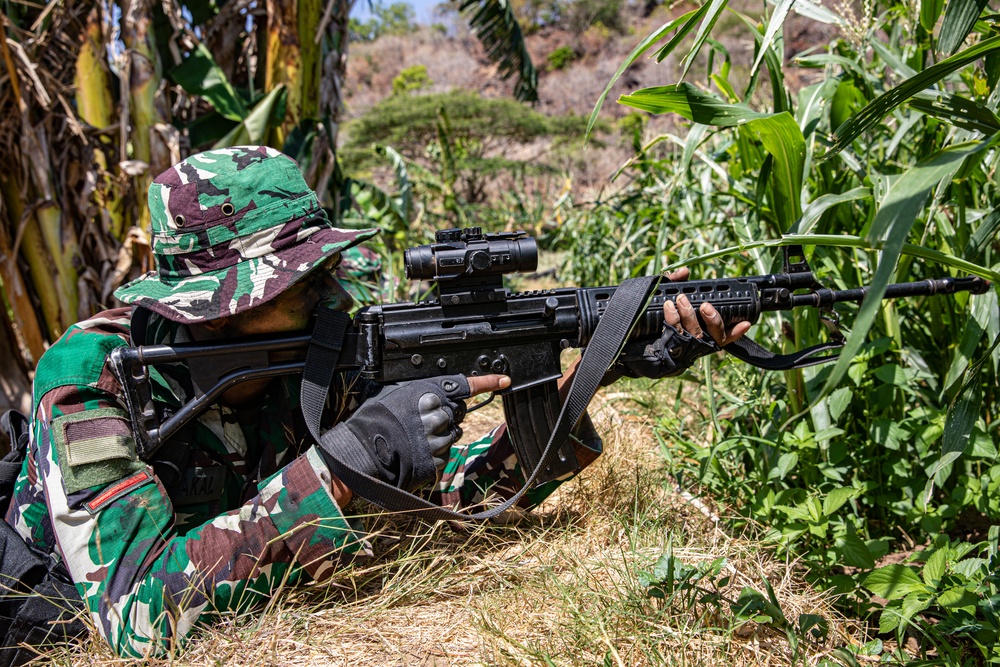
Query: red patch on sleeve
x=117, y=490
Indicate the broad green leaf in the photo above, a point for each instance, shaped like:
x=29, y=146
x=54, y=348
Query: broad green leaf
x=958, y=597
x=686, y=100
x=715, y=10
x=854, y=551
x=971, y=567
x=893, y=374
x=930, y=10
x=773, y=26
x=896, y=215
x=846, y=101
x=199, y=75
x=643, y=46
x=786, y=463
x=253, y=129
x=883, y=104
x=839, y=400
x=958, y=111
x=779, y=133
x=783, y=140
x=959, y=18
x=812, y=101
x=894, y=582
x=936, y=566
x=836, y=499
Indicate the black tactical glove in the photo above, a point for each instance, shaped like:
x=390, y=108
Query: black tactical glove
x=402, y=434
x=671, y=354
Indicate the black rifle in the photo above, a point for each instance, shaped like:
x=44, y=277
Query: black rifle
x=474, y=326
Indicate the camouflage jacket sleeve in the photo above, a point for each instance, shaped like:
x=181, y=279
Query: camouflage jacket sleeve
x=144, y=584
x=487, y=470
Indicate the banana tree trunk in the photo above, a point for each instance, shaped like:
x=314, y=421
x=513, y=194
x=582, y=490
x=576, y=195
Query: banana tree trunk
x=143, y=82
x=294, y=59
x=95, y=107
x=16, y=298
x=331, y=102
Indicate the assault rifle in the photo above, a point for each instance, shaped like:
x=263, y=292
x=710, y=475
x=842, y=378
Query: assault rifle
x=473, y=325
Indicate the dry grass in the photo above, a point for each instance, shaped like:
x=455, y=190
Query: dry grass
x=557, y=588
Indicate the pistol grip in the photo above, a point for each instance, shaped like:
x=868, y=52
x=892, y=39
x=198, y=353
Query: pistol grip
x=531, y=414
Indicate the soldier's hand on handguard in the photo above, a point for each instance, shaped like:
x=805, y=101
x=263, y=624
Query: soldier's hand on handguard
x=402, y=434
x=683, y=340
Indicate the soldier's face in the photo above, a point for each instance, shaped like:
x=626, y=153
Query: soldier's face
x=291, y=310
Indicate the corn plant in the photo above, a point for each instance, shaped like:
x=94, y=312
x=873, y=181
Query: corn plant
x=883, y=168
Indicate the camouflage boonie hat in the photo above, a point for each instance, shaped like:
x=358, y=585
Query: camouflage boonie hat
x=232, y=228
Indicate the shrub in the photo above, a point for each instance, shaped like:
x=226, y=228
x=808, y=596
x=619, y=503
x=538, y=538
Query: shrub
x=561, y=57
x=411, y=79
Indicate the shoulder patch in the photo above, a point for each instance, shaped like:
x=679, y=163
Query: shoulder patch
x=116, y=491
x=95, y=447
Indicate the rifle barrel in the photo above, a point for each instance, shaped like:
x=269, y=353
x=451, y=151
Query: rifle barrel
x=826, y=297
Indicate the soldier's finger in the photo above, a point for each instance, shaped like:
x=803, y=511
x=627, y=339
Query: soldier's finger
x=713, y=323
x=671, y=316
x=481, y=384
x=689, y=318
x=679, y=275
x=436, y=422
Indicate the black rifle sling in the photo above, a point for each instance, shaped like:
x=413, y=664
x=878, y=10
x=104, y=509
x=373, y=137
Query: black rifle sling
x=623, y=311
x=750, y=352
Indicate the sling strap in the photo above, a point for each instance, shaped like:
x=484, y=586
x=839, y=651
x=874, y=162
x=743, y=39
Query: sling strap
x=750, y=352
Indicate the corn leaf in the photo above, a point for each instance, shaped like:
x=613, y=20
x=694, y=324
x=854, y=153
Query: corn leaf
x=959, y=18
x=930, y=10
x=715, y=9
x=817, y=12
x=983, y=236
x=686, y=100
x=816, y=208
x=690, y=20
x=783, y=140
x=959, y=111
x=643, y=46
x=773, y=26
x=893, y=221
x=868, y=117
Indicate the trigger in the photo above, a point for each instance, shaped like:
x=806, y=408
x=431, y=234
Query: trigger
x=489, y=399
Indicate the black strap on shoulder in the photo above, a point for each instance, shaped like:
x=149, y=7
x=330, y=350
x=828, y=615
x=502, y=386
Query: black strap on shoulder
x=17, y=427
x=138, y=324
x=625, y=307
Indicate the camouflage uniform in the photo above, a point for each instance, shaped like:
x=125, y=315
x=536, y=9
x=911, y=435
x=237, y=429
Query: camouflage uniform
x=154, y=553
